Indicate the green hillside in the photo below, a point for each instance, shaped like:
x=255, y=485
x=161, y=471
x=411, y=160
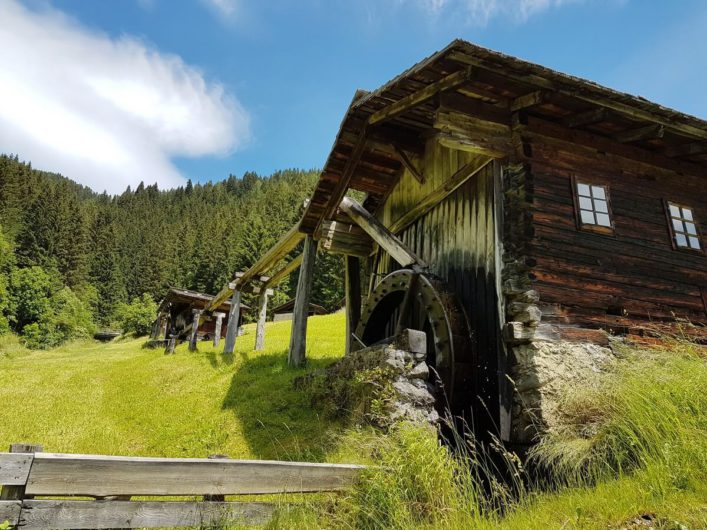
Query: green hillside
x=124, y=399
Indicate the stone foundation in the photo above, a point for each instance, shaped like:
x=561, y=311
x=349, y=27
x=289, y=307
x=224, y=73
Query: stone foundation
x=543, y=374
x=380, y=384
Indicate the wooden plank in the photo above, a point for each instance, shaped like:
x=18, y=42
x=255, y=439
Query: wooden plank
x=95, y=475
x=439, y=194
x=10, y=512
x=422, y=95
x=14, y=468
x=531, y=99
x=284, y=272
x=44, y=514
x=380, y=234
x=15, y=492
x=649, y=132
x=352, y=289
x=589, y=117
x=690, y=149
x=298, y=337
x=409, y=165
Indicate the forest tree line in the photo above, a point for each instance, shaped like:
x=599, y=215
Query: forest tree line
x=74, y=260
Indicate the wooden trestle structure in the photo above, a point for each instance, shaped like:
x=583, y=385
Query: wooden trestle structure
x=469, y=162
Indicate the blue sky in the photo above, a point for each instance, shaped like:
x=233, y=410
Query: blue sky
x=113, y=92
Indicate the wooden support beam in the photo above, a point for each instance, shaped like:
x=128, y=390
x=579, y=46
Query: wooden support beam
x=532, y=99
x=196, y=313
x=218, y=326
x=409, y=165
x=628, y=157
x=436, y=196
x=283, y=247
x=298, y=338
x=283, y=273
x=589, y=117
x=352, y=289
x=234, y=316
x=690, y=149
x=262, y=315
x=649, y=132
x=490, y=147
x=342, y=185
x=422, y=95
x=380, y=234
x=611, y=102
x=345, y=238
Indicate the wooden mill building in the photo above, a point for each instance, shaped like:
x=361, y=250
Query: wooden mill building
x=506, y=203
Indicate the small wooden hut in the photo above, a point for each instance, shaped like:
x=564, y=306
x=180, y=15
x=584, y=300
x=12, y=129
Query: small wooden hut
x=507, y=205
x=176, y=316
x=285, y=311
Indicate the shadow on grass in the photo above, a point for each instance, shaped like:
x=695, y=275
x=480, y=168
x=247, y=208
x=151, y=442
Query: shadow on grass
x=219, y=359
x=278, y=421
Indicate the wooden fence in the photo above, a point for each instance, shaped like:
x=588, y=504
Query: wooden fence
x=112, y=480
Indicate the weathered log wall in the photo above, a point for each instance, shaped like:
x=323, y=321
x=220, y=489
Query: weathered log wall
x=614, y=281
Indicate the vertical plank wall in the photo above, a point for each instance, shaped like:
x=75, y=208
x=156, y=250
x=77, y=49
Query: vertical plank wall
x=457, y=239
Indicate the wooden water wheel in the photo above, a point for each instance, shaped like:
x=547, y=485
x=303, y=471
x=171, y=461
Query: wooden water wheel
x=417, y=300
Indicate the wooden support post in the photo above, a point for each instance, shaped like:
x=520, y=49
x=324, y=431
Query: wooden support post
x=171, y=344
x=234, y=316
x=353, y=298
x=164, y=327
x=13, y=493
x=217, y=331
x=216, y=498
x=194, y=328
x=262, y=315
x=156, y=327
x=298, y=339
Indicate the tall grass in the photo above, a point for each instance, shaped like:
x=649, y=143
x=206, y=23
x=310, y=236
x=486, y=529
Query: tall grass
x=632, y=445
x=649, y=414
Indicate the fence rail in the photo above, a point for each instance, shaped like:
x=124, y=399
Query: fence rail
x=113, y=480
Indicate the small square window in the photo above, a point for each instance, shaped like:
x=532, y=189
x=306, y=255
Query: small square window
x=683, y=227
x=593, y=206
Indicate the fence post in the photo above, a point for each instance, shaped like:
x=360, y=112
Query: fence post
x=17, y=493
x=216, y=498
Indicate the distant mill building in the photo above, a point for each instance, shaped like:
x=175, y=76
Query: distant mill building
x=518, y=216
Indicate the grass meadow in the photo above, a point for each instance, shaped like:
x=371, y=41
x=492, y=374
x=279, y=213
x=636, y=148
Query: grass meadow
x=632, y=451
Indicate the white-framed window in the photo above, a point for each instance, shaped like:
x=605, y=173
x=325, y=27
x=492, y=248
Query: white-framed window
x=683, y=227
x=593, y=209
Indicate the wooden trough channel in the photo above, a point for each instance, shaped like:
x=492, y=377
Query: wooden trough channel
x=111, y=481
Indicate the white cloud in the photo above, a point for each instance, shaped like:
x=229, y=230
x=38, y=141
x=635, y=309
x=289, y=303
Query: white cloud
x=222, y=7
x=105, y=112
x=480, y=12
